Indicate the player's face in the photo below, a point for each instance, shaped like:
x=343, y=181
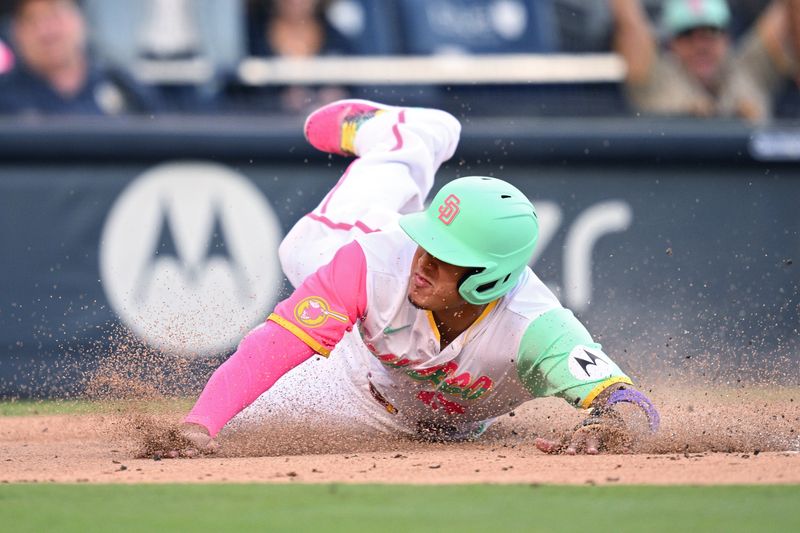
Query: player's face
x=702, y=52
x=433, y=284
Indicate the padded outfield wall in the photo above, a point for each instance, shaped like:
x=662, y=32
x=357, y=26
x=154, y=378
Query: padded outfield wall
x=675, y=242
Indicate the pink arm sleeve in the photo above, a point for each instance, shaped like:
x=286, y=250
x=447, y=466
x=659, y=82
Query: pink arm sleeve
x=253, y=369
x=291, y=336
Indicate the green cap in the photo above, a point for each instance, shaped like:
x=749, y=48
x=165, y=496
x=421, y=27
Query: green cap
x=681, y=15
x=479, y=222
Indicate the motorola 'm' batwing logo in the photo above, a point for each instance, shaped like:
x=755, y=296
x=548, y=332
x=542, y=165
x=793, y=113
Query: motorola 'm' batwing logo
x=188, y=257
x=589, y=364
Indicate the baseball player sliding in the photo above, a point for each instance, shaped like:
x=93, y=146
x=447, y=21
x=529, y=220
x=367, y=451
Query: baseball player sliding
x=435, y=317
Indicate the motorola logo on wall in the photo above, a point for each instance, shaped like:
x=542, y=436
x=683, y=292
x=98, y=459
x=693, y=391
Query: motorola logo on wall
x=188, y=257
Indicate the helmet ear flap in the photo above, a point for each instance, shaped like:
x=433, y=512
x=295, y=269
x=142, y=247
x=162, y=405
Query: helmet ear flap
x=483, y=287
x=468, y=273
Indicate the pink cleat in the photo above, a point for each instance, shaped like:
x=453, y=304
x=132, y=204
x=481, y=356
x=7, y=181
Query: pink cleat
x=332, y=128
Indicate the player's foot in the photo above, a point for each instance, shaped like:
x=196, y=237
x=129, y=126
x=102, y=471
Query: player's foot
x=332, y=128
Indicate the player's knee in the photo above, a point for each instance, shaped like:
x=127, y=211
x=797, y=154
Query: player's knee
x=444, y=130
x=446, y=124
x=451, y=123
x=290, y=253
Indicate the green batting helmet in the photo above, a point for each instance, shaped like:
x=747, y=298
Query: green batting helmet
x=478, y=222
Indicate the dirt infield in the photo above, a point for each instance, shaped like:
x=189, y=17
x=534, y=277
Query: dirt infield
x=725, y=437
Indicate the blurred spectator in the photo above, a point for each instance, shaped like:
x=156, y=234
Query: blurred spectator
x=54, y=73
x=6, y=58
x=294, y=29
x=699, y=73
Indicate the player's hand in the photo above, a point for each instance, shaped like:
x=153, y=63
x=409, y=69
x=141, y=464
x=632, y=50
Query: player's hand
x=603, y=430
x=197, y=441
x=187, y=440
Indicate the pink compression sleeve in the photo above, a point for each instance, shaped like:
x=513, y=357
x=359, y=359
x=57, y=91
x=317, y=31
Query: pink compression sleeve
x=263, y=356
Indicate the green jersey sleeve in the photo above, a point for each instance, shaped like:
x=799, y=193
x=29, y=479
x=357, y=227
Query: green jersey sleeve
x=557, y=357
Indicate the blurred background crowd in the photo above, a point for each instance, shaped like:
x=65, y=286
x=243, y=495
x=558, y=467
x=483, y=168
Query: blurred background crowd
x=703, y=58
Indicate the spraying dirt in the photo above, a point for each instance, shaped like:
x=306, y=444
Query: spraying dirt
x=716, y=430
x=743, y=435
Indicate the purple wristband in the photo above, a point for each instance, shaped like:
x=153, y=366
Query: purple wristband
x=637, y=398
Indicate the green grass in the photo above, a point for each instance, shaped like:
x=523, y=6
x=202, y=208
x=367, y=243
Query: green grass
x=46, y=407
x=461, y=508
x=83, y=407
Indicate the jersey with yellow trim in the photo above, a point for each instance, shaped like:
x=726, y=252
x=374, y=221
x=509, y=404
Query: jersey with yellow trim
x=524, y=345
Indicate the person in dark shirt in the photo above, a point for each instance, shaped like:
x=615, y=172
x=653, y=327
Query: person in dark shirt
x=290, y=29
x=293, y=28
x=54, y=73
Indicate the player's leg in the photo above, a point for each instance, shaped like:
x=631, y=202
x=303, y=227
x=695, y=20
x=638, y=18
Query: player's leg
x=398, y=153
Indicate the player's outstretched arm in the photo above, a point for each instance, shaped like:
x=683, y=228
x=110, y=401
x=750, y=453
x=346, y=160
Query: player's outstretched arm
x=263, y=356
x=558, y=357
x=312, y=320
x=187, y=440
